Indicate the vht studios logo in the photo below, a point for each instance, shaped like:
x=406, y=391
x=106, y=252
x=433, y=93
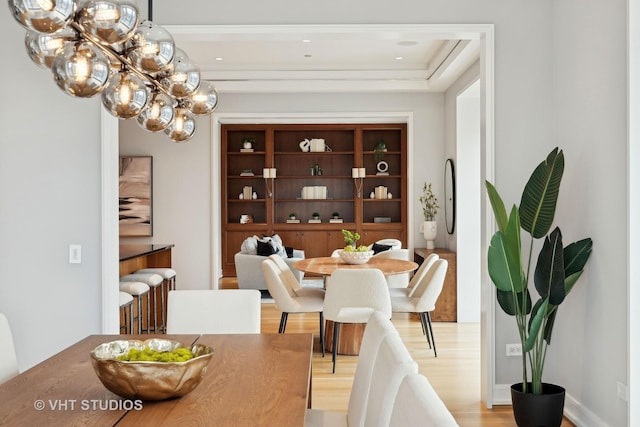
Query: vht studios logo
x=87, y=405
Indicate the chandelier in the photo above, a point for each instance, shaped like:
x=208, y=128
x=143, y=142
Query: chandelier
x=102, y=47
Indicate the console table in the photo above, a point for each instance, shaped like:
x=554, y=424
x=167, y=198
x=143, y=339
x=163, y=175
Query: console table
x=446, y=306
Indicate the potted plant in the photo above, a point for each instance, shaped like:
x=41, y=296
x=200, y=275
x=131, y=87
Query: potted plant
x=247, y=143
x=557, y=270
x=292, y=215
x=379, y=150
x=430, y=207
x=315, y=215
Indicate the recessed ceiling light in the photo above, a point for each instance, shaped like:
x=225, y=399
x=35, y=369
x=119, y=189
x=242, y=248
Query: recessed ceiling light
x=399, y=58
x=306, y=41
x=218, y=58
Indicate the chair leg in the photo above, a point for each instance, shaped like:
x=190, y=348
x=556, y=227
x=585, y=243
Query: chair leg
x=322, y=332
x=283, y=322
x=425, y=329
x=428, y=316
x=335, y=345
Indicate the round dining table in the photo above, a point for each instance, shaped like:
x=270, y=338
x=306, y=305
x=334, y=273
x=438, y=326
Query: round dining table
x=350, y=333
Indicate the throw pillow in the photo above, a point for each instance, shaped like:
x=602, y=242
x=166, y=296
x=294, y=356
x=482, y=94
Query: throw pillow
x=377, y=248
x=265, y=248
x=250, y=246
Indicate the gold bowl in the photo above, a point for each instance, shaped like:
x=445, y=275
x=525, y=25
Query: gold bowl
x=146, y=380
x=355, y=257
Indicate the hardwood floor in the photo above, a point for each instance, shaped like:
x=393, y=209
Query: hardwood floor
x=454, y=374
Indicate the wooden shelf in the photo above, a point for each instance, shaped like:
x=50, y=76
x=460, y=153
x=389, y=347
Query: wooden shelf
x=277, y=146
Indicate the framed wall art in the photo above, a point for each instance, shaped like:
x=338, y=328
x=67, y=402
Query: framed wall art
x=135, y=195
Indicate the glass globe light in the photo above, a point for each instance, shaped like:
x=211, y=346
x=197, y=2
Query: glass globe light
x=43, y=16
x=80, y=69
x=111, y=21
x=183, y=126
x=204, y=100
x=158, y=115
x=184, y=80
x=153, y=48
x=42, y=48
x=125, y=96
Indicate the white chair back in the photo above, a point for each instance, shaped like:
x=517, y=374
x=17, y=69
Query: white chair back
x=378, y=327
x=282, y=295
x=394, y=243
x=8, y=360
x=396, y=280
x=353, y=295
x=418, y=404
x=429, y=289
x=227, y=311
x=286, y=275
x=391, y=366
x=421, y=271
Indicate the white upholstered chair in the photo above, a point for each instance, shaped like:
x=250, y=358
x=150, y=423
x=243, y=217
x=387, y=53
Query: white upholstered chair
x=392, y=364
x=417, y=277
x=352, y=295
x=417, y=404
x=396, y=280
x=378, y=327
x=8, y=359
x=289, y=296
x=226, y=311
x=424, y=298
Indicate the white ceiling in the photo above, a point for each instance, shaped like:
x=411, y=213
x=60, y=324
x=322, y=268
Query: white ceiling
x=335, y=58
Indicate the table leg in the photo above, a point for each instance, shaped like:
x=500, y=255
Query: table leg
x=350, y=337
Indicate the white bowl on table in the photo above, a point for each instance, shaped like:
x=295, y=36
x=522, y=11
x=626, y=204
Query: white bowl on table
x=355, y=257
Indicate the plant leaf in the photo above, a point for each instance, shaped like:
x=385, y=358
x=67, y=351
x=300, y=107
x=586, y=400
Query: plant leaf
x=537, y=316
x=576, y=256
x=549, y=274
x=510, y=305
x=551, y=318
x=499, y=210
x=538, y=202
x=504, y=257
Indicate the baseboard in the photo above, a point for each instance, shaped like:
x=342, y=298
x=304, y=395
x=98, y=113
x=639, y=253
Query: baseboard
x=574, y=411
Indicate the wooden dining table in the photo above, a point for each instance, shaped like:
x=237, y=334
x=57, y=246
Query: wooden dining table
x=350, y=333
x=252, y=380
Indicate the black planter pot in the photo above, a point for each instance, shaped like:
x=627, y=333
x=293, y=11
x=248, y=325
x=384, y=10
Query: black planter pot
x=538, y=410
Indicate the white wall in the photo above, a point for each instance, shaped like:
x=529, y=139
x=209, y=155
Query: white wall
x=50, y=198
x=589, y=345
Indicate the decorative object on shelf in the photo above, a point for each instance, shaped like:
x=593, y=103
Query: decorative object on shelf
x=449, y=196
x=315, y=218
x=379, y=150
x=315, y=215
x=315, y=169
x=557, y=270
x=358, y=175
x=335, y=218
x=381, y=219
x=269, y=174
x=254, y=195
x=102, y=47
x=247, y=145
x=246, y=219
x=372, y=195
x=382, y=167
x=380, y=192
x=246, y=172
x=429, y=227
x=292, y=215
x=247, y=192
x=389, y=196
x=314, y=192
x=293, y=219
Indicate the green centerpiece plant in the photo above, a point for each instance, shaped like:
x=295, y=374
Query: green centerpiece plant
x=554, y=275
x=351, y=240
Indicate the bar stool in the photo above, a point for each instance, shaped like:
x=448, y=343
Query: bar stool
x=154, y=281
x=126, y=305
x=169, y=275
x=137, y=290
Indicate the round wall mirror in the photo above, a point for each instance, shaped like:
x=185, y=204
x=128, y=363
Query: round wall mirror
x=450, y=196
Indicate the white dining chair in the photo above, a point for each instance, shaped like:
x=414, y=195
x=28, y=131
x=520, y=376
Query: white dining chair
x=225, y=311
x=417, y=404
x=8, y=359
x=393, y=363
x=378, y=327
x=424, y=298
x=400, y=280
x=417, y=277
x=352, y=295
x=290, y=297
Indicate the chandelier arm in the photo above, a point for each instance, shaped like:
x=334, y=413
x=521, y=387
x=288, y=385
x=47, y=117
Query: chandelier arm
x=112, y=53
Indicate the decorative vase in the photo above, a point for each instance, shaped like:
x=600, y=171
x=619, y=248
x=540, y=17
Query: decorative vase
x=430, y=231
x=534, y=410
